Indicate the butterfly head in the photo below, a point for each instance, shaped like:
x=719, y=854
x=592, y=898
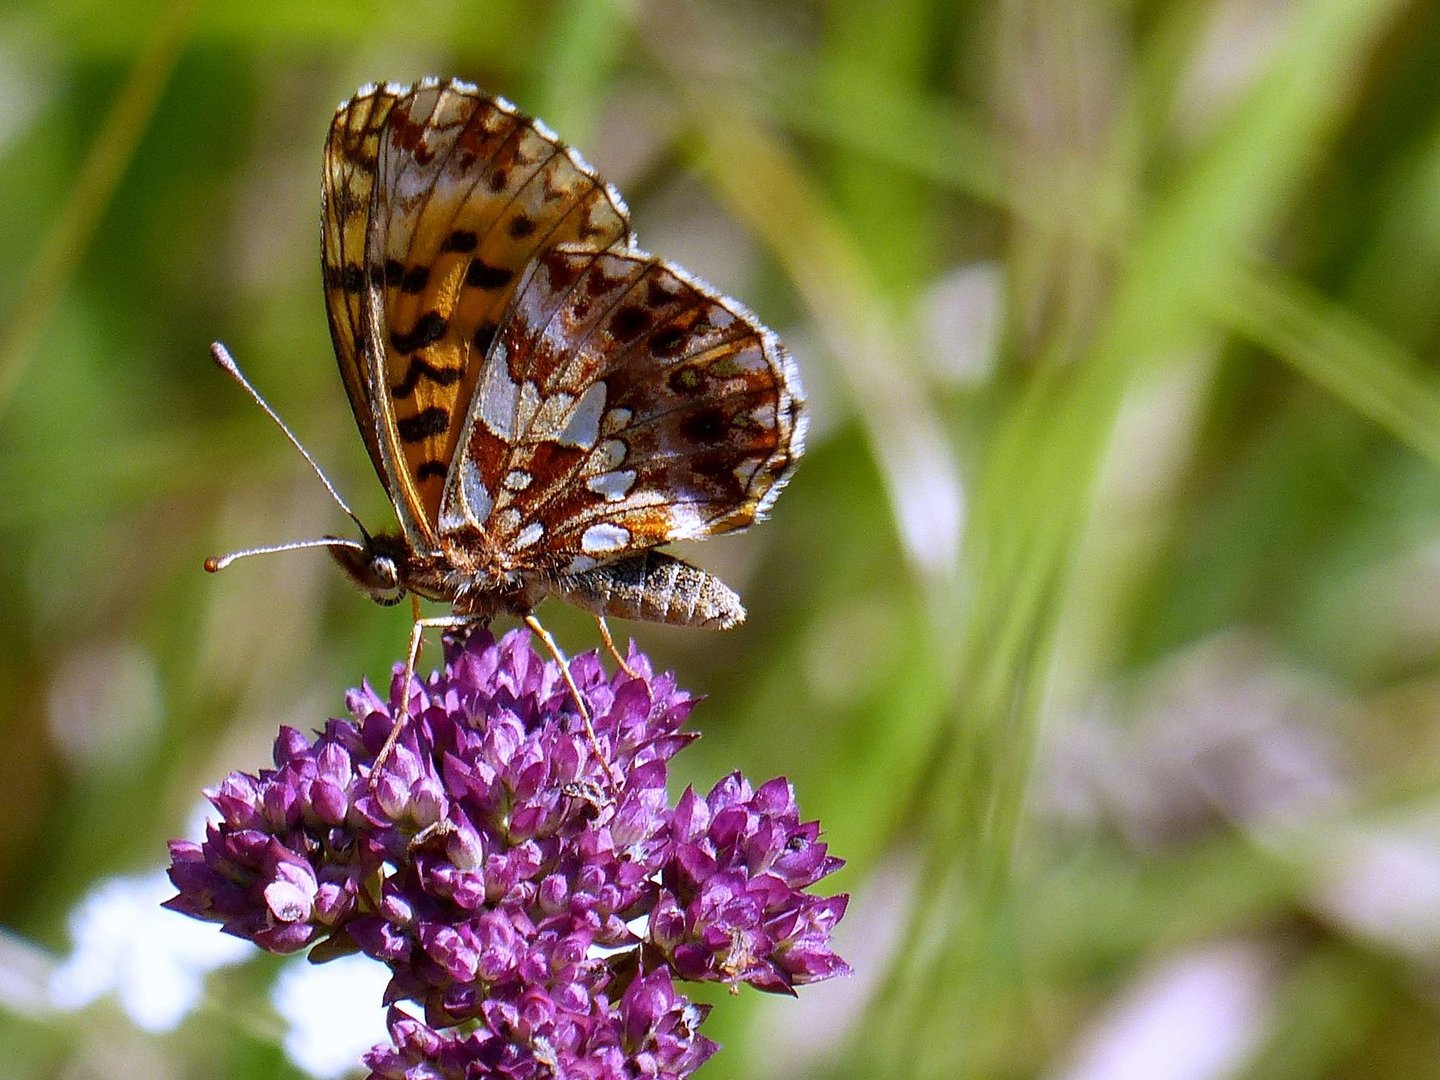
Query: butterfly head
x=376, y=567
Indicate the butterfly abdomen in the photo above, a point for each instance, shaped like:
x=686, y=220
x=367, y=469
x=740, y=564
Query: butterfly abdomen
x=655, y=587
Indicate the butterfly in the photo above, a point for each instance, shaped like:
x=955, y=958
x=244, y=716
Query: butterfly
x=545, y=403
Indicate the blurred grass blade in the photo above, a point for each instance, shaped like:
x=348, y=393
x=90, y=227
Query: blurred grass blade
x=110, y=153
x=933, y=140
x=1327, y=343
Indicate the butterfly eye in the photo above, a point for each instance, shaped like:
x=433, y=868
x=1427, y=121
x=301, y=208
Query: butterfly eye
x=376, y=572
x=384, y=572
x=384, y=583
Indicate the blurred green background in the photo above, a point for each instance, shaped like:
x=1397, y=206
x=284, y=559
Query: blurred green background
x=1099, y=625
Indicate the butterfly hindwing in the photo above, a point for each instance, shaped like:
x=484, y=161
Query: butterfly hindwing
x=450, y=193
x=622, y=405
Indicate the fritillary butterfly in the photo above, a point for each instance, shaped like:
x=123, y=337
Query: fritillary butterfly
x=545, y=404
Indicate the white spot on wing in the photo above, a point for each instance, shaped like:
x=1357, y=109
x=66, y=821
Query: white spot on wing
x=583, y=428
x=598, y=539
x=529, y=535
x=751, y=359
x=686, y=522
x=527, y=407
x=613, y=485
x=412, y=184
x=614, y=420
x=499, y=396
x=517, y=480
x=607, y=456
x=580, y=564
x=474, y=496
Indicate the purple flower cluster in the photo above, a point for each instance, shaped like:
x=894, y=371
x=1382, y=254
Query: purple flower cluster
x=535, y=910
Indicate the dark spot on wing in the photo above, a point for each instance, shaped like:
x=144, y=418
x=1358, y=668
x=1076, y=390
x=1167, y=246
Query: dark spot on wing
x=429, y=328
x=686, y=380
x=349, y=278
x=414, y=280
x=499, y=179
x=705, y=425
x=345, y=204
x=420, y=368
x=598, y=283
x=481, y=275
x=521, y=226
x=431, y=469
x=562, y=271
x=424, y=424
x=484, y=335
x=394, y=272
x=461, y=240
x=668, y=342
x=717, y=466
x=629, y=322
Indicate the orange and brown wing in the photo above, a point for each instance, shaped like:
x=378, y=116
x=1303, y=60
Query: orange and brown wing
x=351, y=151
x=453, y=192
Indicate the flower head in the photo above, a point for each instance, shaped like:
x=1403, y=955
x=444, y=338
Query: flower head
x=534, y=909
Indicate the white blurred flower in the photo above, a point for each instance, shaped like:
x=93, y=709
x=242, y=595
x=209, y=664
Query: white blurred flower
x=332, y=1012
x=1199, y=1016
x=153, y=960
x=1381, y=881
x=961, y=316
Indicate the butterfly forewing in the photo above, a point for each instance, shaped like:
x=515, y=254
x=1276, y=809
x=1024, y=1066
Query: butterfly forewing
x=351, y=151
x=622, y=405
x=451, y=194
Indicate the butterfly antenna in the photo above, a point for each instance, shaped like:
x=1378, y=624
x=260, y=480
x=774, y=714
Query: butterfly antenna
x=216, y=563
x=226, y=363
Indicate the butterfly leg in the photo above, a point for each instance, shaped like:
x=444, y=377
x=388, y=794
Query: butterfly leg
x=609, y=641
x=544, y=635
x=412, y=657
